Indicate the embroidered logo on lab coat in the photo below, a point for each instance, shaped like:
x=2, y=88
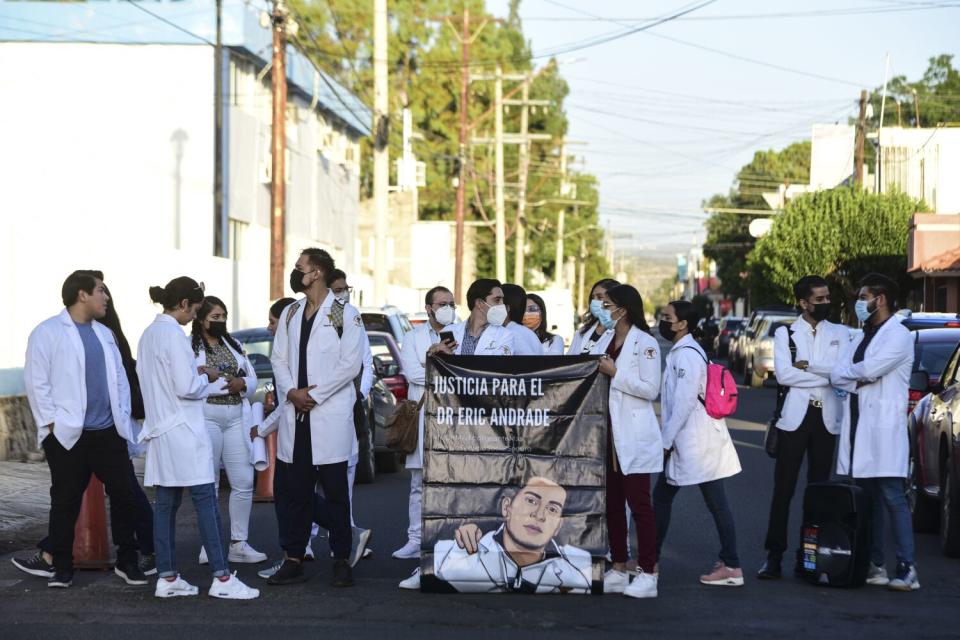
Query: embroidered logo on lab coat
x=650, y=353
x=681, y=373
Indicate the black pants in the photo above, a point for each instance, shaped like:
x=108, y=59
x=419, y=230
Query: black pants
x=294, y=485
x=104, y=453
x=812, y=438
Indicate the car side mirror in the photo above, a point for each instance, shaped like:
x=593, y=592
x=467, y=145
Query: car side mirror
x=919, y=381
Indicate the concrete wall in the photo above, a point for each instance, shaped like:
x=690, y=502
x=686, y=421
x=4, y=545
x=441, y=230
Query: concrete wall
x=18, y=433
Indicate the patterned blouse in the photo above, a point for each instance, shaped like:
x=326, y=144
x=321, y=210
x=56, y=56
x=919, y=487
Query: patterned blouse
x=221, y=358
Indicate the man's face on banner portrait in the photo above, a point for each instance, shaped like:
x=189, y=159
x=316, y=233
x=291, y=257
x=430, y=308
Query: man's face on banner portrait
x=534, y=515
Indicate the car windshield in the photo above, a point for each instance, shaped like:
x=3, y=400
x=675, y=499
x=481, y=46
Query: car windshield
x=258, y=347
x=777, y=323
x=376, y=322
x=732, y=325
x=379, y=347
x=932, y=357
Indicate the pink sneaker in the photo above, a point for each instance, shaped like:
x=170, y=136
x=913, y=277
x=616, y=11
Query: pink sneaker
x=723, y=576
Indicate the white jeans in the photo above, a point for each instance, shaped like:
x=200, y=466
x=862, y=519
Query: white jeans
x=416, y=505
x=225, y=426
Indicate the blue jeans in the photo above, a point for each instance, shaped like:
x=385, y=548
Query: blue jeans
x=204, y=498
x=888, y=495
x=716, y=500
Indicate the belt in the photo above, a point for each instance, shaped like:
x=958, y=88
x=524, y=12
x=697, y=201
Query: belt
x=816, y=403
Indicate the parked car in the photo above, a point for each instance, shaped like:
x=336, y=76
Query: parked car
x=418, y=318
x=759, y=366
x=927, y=320
x=932, y=349
x=933, y=488
x=386, y=318
x=733, y=348
x=710, y=328
x=742, y=350
x=386, y=363
x=725, y=331
x=258, y=343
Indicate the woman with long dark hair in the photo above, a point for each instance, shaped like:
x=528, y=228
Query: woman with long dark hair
x=227, y=414
x=698, y=448
x=631, y=357
x=591, y=331
x=535, y=319
x=179, y=453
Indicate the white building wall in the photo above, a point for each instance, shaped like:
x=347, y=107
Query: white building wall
x=104, y=144
x=923, y=163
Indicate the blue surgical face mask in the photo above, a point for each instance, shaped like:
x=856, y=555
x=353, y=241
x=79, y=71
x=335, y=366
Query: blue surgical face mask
x=862, y=309
x=595, y=307
x=605, y=316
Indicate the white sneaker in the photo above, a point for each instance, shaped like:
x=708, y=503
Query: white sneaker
x=232, y=589
x=360, y=539
x=243, y=553
x=413, y=582
x=409, y=551
x=203, y=556
x=308, y=552
x=179, y=587
x=907, y=578
x=272, y=569
x=877, y=576
x=643, y=586
x=615, y=581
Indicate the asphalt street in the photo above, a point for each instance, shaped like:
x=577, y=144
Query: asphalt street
x=100, y=606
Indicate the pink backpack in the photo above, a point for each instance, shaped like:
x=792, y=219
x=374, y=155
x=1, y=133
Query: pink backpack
x=720, y=396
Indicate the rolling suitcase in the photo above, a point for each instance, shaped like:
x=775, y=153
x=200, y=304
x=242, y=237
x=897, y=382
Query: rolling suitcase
x=836, y=535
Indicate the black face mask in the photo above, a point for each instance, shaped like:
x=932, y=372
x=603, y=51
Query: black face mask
x=296, y=281
x=217, y=329
x=665, y=331
x=820, y=312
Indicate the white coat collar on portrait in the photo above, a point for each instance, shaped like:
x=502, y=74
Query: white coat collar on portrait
x=494, y=341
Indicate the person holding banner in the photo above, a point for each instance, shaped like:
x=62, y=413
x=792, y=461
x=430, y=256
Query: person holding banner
x=591, y=331
x=631, y=358
x=483, y=333
x=227, y=414
x=418, y=345
x=698, y=448
x=535, y=319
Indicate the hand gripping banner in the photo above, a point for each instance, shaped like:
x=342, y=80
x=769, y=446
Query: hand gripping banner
x=514, y=475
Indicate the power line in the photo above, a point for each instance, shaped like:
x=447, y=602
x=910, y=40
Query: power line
x=168, y=22
x=762, y=16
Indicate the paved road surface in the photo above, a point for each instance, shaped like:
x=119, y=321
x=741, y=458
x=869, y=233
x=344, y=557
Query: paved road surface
x=100, y=606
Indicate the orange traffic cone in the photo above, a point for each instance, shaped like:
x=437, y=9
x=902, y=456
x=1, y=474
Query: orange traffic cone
x=264, y=492
x=91, y=548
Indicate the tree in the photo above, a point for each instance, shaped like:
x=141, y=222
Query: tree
x=841, y=234
x=938, y=97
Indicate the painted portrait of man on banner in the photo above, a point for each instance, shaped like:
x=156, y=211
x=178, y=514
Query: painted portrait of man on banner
x=523, y=554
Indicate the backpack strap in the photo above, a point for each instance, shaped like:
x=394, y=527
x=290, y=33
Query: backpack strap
x=291, y=311
x=699, y=353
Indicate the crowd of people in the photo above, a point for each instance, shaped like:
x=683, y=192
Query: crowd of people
x=186, y=401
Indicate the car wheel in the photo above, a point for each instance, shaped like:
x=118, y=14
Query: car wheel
x=366, y=469
x=950, y=512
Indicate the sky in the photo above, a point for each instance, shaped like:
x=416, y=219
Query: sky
x=668, y=124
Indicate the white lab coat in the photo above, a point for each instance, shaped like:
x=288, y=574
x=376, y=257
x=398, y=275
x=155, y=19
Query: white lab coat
x=881, y=448
x=217, y=387
x=553, y=346
x=702, y=447
x=525, y=341
x=636, y=432
x=54, y=376
x=366, y=377
x=494, y=341
x=333, y=363
x=179, y=453
x=821, y=352
x=413, y=361
x=579, y=339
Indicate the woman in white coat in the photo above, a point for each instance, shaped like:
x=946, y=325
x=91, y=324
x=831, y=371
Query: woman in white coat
x=227, y=414
x=698, y=449
x=535, y=319
x=591, y=331
x=631, y=357
x=178, y=446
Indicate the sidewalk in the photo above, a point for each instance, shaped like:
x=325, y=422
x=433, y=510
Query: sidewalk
x=24, y=504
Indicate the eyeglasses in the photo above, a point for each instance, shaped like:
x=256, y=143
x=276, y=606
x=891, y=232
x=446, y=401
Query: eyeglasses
x=441, y=305
x=344, y=289
x=609, y=306
x=532, y=308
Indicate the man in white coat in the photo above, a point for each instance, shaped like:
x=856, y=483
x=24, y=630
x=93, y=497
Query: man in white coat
x=418, y=345
x=810, y=418
x=317, y=354
x=875, y=371
x=525, y=341
x=80, y=400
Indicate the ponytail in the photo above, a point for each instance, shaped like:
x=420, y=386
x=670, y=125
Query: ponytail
x=684, y=310
x=176, y=291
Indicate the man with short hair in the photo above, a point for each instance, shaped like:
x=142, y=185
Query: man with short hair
x=421, y=343
x=874, y=446
x=805, y=353
x=525, y=340
x=483, y=333
x=317, y=353
x=80, y=400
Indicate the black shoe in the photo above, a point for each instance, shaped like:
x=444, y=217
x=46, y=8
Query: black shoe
x=769, y=571
x=148, y=564
x=61, y=579
x=342, y=574
x=130, y=573
x=35, y=565
x=290, y=572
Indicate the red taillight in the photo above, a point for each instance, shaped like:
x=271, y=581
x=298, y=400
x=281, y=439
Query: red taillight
x=725, y=332
x=913, y=397
x=397, y=386
x=952, y=325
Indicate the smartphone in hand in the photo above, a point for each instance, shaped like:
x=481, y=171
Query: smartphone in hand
x=446, y=336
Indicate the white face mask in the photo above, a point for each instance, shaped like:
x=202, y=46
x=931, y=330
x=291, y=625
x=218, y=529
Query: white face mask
x=497, y=314
x=343, y=297
x=445, y=315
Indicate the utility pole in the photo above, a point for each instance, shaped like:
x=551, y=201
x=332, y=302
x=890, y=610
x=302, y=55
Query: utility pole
x=219, y=244
x=458, y=290
x=564, y=189
x=581, y=269
x=381, y=151
x=500, y=224
x=278, y=139
x=861, y=134
x=519, y=268
x=916, y=109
